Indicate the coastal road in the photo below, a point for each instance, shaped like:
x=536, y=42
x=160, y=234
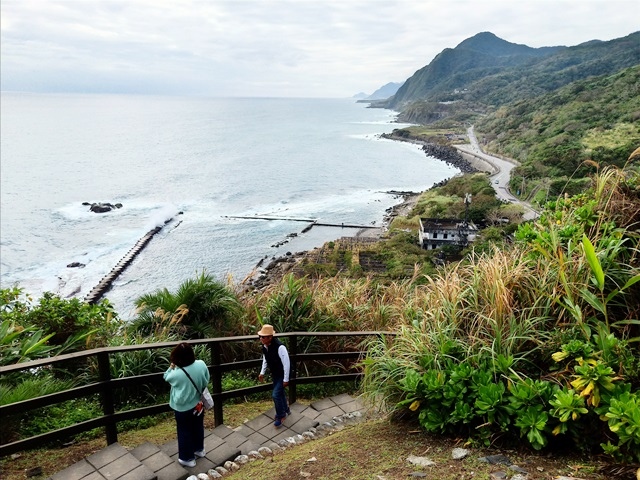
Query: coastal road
x=501, y=173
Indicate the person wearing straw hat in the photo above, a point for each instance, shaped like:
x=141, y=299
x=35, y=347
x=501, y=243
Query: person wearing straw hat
x=276, y=357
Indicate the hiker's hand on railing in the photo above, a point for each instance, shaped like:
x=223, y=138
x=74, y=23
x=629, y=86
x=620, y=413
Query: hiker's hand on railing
x=261, y=378
x=285, y=384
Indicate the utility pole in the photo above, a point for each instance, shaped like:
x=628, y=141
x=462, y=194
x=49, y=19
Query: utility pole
x=463, y=230
x=467, y=202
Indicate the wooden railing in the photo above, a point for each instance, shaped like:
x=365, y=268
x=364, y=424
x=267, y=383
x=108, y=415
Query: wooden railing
x=106, y=386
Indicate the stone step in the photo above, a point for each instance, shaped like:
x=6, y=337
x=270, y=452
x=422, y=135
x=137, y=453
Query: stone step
x=218, y=451
x=222, y=444
x=165, y=467
x=112, y=462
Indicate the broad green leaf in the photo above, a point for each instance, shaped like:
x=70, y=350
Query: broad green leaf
x=594, y=263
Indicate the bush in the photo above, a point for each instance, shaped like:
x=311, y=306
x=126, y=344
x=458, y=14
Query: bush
x=537, y=341
x=200, y=308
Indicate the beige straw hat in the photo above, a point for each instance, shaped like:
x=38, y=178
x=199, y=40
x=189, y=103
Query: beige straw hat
x=267, y=331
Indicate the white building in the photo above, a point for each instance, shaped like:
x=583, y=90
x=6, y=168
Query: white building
x=436, y=232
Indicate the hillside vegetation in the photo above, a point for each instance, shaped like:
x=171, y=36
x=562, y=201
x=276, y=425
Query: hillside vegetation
x=563, y=116
x=552, y=135
x=485, y=72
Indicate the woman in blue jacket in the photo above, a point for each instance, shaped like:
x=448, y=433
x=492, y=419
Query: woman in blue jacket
x=183, y=398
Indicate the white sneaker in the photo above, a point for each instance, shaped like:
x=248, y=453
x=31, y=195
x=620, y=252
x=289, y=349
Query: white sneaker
x=187, y=463
x=200, y=453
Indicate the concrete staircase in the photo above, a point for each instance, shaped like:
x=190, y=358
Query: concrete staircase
x=222, y=444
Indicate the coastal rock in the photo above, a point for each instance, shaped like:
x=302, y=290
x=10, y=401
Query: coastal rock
x=102, y=207
x=442, y=152
x=448, y=155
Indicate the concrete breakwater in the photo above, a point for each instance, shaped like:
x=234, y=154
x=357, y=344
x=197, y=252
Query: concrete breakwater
x=99, y=290
x=311, y=221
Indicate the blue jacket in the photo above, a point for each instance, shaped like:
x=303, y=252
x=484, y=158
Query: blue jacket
x=184, y=396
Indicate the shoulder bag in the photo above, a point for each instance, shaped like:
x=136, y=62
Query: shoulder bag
x=206, y=401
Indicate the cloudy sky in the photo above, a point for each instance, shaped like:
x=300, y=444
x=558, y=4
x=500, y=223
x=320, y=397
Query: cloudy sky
x=300, y=48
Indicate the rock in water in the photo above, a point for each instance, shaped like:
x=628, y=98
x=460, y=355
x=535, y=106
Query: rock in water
x=100, y=207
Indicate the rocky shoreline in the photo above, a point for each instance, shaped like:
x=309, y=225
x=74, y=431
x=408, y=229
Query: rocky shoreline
x=444, y=153
x=272, y=273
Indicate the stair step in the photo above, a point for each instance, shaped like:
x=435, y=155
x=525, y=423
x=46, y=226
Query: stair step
x=165, y=467
x=114, y=461
x=150, y=462
x=218, y=450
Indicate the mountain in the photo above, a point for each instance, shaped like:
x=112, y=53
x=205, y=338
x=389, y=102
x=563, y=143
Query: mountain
x=454, y=69
x=360, y=96
x=385, y=91
x=484, y=72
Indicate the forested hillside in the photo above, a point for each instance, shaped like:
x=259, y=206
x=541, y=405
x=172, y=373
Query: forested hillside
x=485, y=72
x=475, y=58
x=552, y=135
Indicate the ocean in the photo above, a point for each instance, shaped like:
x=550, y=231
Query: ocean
x=188, y=165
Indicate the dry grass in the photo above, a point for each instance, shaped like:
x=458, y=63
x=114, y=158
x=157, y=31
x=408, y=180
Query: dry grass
x=609, y=138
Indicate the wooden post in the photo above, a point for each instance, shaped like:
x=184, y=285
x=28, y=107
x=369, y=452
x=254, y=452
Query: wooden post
x=293, y=354
x=106, y=397
x=216, y=381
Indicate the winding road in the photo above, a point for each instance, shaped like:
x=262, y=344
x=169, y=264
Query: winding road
x=502, y=173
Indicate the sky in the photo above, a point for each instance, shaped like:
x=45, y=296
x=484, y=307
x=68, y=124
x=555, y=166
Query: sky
x=270, y=48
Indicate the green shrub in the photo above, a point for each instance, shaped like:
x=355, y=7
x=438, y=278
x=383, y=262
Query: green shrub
x=61, y=415
x=199, y=308
x=538, y=341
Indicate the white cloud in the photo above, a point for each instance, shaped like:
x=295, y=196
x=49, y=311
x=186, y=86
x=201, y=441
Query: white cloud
x=269, y=47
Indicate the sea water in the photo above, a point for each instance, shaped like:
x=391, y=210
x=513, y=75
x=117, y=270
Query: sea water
x=188, y=165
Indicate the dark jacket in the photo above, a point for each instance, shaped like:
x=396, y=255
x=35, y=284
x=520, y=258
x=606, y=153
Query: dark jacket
x=273, y=360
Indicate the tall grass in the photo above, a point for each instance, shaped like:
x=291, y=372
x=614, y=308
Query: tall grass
x=518, y=303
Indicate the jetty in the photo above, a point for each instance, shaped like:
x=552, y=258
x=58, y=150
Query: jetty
x=99, y=290
x=311, y=221
x=267, y=217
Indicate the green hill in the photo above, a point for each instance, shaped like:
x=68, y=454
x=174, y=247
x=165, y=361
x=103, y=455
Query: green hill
x=485, y=72
x=552, y=134
x=456, y=68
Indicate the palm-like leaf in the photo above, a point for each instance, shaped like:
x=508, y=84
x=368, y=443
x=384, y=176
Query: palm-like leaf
x=203, y=306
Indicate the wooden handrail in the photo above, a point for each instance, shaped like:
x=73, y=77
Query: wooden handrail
x=105, y=386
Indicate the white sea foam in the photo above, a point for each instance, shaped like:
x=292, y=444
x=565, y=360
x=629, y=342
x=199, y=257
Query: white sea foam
x=160, y=216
